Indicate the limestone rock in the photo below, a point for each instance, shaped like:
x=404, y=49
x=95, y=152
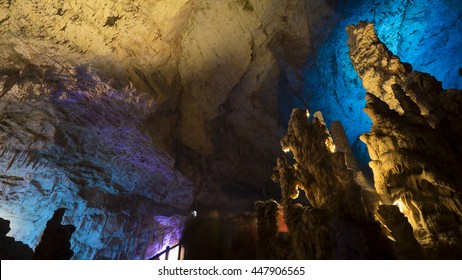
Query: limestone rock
x=405, y=245
x=209, y=70
x=70, y=139
x=335, y=223
x=366, y=52
x=414, y=142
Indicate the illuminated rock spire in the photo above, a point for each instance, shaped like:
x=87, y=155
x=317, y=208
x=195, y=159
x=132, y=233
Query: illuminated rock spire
x=414, y=143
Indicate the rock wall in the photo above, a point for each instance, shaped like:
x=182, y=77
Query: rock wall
x=425, y=34
x=127, y=112
x=335, y=223
x=414, y=143
x=71, y=140
x=213, y=69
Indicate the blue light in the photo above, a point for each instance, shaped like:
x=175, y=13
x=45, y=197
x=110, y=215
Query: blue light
x=426, y=34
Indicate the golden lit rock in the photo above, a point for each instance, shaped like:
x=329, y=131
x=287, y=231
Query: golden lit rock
x=414, y=143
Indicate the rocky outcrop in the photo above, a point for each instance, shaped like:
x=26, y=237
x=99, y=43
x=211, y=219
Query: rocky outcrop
x=124, y=112
x=70, y=139
x=414, y=143
x=55, y=241
x=10, y=249
x=334, y=224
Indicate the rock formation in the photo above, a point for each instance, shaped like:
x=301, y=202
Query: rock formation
x=127, y=112
x=416, y=31
x=341, y=145
x=70, y=139
x=414, y=143
x=10, y=249
x=55, y=241
x=335, y=224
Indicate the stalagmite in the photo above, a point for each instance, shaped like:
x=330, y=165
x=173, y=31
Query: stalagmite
x=335, y=224
x=414, y=143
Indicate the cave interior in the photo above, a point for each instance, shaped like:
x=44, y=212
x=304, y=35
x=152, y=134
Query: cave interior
x=238, y=129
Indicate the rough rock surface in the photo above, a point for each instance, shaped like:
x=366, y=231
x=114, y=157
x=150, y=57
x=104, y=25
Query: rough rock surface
x=69, y=139
x=426, y=34
x=335, y=224
x=104, y=103
x=414, y=143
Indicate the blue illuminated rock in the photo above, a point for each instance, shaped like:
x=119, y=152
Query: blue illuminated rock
x=426, y=34
x=71, y=140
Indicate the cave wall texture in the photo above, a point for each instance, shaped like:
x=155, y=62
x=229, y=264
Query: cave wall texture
x=415, y=150
x=126, y=113
x=425, y=34
x=414, y=142
x=131, y=113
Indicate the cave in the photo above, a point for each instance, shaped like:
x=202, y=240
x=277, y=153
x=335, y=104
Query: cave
x=258, y=129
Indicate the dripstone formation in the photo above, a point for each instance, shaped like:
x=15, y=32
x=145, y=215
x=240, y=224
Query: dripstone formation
x=335, y=224
x=415, y=149
x=415, y=142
